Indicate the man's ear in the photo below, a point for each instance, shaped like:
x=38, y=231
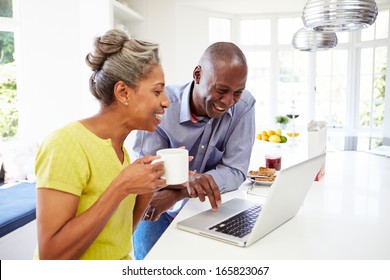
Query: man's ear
x=197, y=74
x=121, y=92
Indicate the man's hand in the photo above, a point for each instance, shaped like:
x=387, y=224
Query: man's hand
x=199, y=185
x=202, y=185
x=162, y=201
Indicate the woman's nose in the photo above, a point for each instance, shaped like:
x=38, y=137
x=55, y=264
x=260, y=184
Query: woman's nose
x=165, y=102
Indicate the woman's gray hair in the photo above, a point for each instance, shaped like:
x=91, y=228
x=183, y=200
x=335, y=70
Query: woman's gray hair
x=116, y=57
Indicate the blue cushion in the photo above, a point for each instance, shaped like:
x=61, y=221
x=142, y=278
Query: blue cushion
x=17, y=206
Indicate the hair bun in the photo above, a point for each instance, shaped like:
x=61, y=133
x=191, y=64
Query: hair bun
x=104, y=46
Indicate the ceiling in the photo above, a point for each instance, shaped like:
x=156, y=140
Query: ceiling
x=247, y=6
x=252, y=6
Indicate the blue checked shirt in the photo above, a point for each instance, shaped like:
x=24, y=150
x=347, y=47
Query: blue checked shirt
x=221, y=147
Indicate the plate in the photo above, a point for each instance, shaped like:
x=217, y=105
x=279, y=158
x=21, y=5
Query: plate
x=264, y=183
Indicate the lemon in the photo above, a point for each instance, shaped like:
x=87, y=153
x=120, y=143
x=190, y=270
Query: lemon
x=258, y=136
x=274, y=138
x=283, y=139
x=278, y=131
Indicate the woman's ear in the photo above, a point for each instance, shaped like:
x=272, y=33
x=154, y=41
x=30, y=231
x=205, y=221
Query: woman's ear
x=197, y=74
x=121, y=93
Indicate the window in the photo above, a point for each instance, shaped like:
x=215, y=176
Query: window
x=8, y=93
x=344, y=86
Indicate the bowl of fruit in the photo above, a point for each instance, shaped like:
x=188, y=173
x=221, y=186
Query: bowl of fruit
x=272, y=136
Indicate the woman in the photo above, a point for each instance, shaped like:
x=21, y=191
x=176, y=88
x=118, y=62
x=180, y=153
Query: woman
x=89, y=197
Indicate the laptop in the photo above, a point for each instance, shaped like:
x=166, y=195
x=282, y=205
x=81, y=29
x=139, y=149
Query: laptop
x=242, y=222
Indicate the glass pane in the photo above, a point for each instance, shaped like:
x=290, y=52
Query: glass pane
x=324, y=65
x=366, y=59
x=372, y=87
x=292, y=84
x=323, y=88
x=287, y=28
x=331, y=87
x=8, y=94
x=255, y=32
x=380, y=59
x=339, y=88
x=382, y=25
x=364, y=113
x=219, y=30
x=340, y=62
x=6, y=47
x=379, y=87
x=258, y=83
x=6, y=8
x=365, y=88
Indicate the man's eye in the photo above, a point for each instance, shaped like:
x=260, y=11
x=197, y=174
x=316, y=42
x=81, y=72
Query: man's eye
x=219, y=90
x=157, y=92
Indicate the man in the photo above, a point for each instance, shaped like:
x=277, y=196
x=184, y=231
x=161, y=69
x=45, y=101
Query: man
x=214, y=118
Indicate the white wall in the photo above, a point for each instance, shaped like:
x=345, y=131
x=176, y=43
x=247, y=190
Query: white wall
x=48, y=78
x=182, y=34
x=54, y=77
x=192, y=25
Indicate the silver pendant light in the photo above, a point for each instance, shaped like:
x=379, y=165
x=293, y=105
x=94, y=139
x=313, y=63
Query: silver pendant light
x=308, y=40
x=339, y=15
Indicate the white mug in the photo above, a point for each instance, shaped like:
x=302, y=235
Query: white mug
x=175, y=165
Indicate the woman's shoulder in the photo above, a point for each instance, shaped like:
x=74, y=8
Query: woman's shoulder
x=65, y=133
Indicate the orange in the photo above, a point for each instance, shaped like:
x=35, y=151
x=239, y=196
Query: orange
x=264, y=137
x=258, y=136
x=270, y=133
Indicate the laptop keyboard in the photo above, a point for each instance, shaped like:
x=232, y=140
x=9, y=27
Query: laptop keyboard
x=240, y=224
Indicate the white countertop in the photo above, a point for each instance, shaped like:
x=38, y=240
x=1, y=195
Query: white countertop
x=346, y=215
